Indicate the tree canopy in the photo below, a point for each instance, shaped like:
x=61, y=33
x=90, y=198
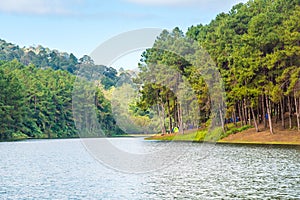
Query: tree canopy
x=255, y=48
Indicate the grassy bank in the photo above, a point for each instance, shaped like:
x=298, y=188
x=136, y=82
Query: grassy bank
x=235, y=135
x=203, y=135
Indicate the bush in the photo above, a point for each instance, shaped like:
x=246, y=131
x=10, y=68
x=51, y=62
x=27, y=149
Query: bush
x=236, y=130
x=19, y=135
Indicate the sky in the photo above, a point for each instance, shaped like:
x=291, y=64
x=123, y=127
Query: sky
x=80, y=26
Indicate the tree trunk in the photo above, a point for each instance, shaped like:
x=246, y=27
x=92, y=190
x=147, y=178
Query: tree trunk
x=269, y=115
x=254, y=119
x=180, y=122
x=170, y=116
x=249, y=114
x=162, y=123
x=264, y=112
x=163, y=117
x=282, y=113
x=240, y=113
x=297, y=112
x=234, y=117
x=290, y=112
x=258, y=111
x=175, y=114
x=244, y=112
x=276, y=110
x=221, y=118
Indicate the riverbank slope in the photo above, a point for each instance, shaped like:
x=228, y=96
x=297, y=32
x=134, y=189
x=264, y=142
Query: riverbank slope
x=248, y=136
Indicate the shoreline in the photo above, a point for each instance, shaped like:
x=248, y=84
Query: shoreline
x=231, y=142
x=260, y=143
x=63, y=138
x=246, y=137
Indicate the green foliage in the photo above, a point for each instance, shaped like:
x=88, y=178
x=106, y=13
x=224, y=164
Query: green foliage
x=235, y=130
x=37, y=103
x=13, y=113
x=19, y=136
x=213, y=135
x=255, y=47
x=217, y=133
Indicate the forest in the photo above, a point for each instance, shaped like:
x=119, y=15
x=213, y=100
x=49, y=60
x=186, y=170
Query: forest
x=254, y=50
x=241, y=68
x=36, y=99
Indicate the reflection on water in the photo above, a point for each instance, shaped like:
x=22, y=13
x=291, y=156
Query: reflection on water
x=63, y=169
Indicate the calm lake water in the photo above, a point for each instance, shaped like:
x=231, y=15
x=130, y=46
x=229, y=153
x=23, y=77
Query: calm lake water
x=64, y=169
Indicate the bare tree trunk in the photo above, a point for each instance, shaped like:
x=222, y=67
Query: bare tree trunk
x=264, y=112
x=240, y=113
x=249, y=113
x=180, y=122
x=269, y=115
x=290, y=112
x=170, y=116
x=259, y=114
x=245, y=113
x=297, y=112
x=162, y=123
x=277, y=113
x=234, y=117
x=221, y=118
x=254, y=119
x=163, y=117
x=282, y=113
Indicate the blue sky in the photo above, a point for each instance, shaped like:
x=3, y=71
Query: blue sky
x=79, y=26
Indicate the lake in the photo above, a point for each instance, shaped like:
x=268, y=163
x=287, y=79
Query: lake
x=69, y=169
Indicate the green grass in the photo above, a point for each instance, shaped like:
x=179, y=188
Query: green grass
x=201, y=135
x=195, y=136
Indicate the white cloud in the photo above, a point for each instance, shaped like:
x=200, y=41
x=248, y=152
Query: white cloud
x=39, y=7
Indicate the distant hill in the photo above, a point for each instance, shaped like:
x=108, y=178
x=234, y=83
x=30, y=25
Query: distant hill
x=39, y=56
x=44, y=58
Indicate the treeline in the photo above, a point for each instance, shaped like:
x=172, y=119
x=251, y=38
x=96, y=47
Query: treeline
x=39, y=56
x=37, y=103
x=46, y=58
x=256, y=50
